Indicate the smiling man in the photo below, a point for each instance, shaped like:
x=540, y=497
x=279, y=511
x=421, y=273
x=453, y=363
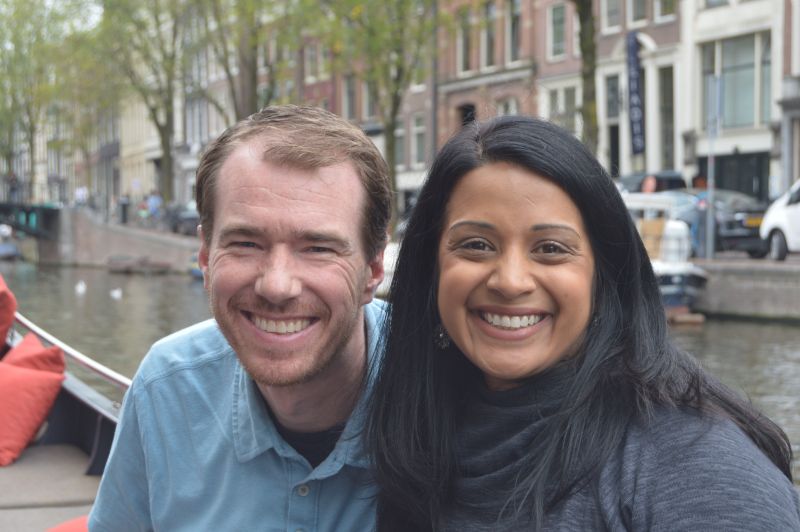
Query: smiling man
x=250, y=421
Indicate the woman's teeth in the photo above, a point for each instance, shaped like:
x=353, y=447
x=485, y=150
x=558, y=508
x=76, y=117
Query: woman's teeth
x=510, y=322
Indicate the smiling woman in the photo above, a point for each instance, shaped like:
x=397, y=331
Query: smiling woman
x=517, y=279
x=529, y=381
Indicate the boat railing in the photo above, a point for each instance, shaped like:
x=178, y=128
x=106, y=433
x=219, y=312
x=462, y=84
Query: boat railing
x=82, y=415
x=107, y=374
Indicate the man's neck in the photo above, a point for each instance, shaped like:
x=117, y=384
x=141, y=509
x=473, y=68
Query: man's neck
x=326, y=400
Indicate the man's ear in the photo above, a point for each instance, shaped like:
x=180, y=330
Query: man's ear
x=376, y=273
x=202, y=256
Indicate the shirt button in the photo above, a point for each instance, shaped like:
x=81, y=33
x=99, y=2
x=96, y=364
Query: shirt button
x=303, y=490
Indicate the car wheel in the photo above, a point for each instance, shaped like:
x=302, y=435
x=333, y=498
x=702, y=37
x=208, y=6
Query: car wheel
x=777, y=246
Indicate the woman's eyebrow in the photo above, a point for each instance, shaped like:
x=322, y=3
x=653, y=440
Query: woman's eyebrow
x=547, y=227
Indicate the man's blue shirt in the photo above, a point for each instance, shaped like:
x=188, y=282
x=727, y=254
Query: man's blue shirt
x=196, y=449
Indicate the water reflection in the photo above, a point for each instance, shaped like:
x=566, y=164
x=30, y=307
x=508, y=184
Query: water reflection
x=761, y=360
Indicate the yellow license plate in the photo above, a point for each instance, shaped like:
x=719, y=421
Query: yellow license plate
x=753, y=221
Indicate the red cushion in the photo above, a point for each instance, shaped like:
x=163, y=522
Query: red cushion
x=8, y=305
x=79, y=524
x=30, y=353
x=26, y=397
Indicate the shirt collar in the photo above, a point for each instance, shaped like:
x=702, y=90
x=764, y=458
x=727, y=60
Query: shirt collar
x=254, y=432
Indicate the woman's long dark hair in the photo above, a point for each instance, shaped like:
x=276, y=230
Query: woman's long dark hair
x=627, y=366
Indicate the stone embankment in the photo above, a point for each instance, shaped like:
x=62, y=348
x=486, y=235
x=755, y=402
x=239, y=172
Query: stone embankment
x=86, y=240
x=747, y=288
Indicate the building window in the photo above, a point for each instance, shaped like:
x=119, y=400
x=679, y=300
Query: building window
x=513, y=29
x=738, y=81
x=665, y=9
x=563, y=107
x=716, y=3
x=310, y=62
x=399, y=146
x=766, y=77
x=368, y=109
x=464, y=47
x=667, y=111
x=323, y=63
x=570, y=108
x=508, y=106
x=744, y=68
x=488, y=33
x=349, y=97
x=637, y=11
x=576, y=35
x=612, y=15
x=418, y=131
x=467, y=113
x=557, y=30
x=708, y=71
x=612, y=97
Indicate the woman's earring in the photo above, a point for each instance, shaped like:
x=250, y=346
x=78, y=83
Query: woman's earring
x=440, y=337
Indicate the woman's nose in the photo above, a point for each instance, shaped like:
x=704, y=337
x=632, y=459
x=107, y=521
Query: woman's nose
x=513, y=275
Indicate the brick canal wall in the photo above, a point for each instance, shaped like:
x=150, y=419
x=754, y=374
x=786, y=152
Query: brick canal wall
x=748, y=288
x=86, y=240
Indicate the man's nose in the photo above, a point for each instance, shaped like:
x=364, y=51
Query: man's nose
x=278, y=281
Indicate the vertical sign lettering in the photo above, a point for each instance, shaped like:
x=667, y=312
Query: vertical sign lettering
x=635, y=106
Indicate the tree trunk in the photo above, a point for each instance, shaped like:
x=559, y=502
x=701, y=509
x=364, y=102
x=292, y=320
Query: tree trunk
x=588, y=68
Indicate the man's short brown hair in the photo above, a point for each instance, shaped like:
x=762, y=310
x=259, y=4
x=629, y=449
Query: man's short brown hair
x=303, y=137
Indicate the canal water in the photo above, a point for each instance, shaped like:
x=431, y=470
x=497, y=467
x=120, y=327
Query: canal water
x=117, y=317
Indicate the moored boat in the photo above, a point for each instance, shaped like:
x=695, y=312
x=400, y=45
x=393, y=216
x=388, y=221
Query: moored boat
x=55, y=479
x=668, y=244
x=142, y=265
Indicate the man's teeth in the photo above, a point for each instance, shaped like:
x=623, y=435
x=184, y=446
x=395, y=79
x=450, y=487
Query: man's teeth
x=281, y=326
x=511, y=322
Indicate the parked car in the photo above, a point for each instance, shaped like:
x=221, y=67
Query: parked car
x=781, y=225
x=665, y=180
x=737, y=220
x=183, y=218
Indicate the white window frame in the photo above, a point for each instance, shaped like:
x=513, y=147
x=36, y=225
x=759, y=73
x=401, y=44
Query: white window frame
x=417, y=127
x=366, y=102
x=576, y=35
x=488, y=26
x=659, y=17
x=507, y=106
x=507, y=18
x=606, y=28
x=638, y=23
x=460, y=46
x=400, y=140
x=349, y=106
x=550, y=32
x=310, y=70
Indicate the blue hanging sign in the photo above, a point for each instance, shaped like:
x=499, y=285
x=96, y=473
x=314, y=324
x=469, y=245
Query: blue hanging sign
x=635, y=103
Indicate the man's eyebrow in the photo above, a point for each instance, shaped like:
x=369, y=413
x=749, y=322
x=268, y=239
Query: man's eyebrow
x=239, y=230
x=323, y=237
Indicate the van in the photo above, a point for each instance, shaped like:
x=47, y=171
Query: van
x=781, y=225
